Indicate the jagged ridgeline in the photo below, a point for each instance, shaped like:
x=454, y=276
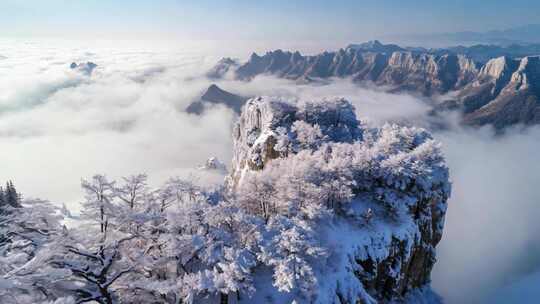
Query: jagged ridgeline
x=501, y=91
x=318, y=208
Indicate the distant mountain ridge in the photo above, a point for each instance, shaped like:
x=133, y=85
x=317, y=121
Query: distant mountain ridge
x=427, y=73
x=524, y=34
x=482, y=53
x=490, y=93
x=376, y=46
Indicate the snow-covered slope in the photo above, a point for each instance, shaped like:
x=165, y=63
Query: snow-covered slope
x=383, y=194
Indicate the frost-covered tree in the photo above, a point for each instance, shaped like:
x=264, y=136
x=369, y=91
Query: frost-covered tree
x=9, y=197
x=27, y=235
x=98, y=207
x=256, y=195
x=133, y=190
x=290, y=249
x=95, y=267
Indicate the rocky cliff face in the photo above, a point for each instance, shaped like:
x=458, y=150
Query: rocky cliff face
x=383, y=241
x=502, y=92
x=514, y=94
x=258, y=136
x=487, y=85
x=402, y=70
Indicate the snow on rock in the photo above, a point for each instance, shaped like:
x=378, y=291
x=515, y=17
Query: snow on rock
x=527, y=74
x=223, y=67
x=263, y=130
x=389, y=65
x=450, y=73
x=370, y=203
x=495, y=67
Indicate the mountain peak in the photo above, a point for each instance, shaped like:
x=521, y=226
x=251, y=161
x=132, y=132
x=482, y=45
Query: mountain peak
x=223, y=66
x=215, y=95
x=496, y=67
x=213, y=88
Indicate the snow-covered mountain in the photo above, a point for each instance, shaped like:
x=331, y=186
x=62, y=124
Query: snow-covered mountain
x=380, y=239
x=480, y=89
x=404, y=70
x=222, y=67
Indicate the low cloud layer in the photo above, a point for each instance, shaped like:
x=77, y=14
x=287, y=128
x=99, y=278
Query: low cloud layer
x=490, y=237
x=57, y=125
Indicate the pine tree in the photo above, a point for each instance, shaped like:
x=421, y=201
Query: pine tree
x=2, y=201
x=11, y=197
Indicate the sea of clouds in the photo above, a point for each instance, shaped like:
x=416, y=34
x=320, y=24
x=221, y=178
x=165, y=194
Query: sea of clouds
x=58, y=125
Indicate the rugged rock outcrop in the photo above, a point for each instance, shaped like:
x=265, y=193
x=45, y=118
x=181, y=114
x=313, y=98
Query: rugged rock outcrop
x=489, y=82
x=258, y=135
x=426, y=73
x=517, y=96
x=383, y=242
x=85, y=67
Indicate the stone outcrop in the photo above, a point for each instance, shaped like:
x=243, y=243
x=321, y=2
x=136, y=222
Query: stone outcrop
x=392, y=256
x=86, y=67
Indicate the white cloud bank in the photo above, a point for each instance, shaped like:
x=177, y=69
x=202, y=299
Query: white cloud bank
x=57, y=126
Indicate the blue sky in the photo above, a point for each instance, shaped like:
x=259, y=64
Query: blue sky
x=272, y=20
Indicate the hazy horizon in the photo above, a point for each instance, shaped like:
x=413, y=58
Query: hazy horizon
x=343, y=20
